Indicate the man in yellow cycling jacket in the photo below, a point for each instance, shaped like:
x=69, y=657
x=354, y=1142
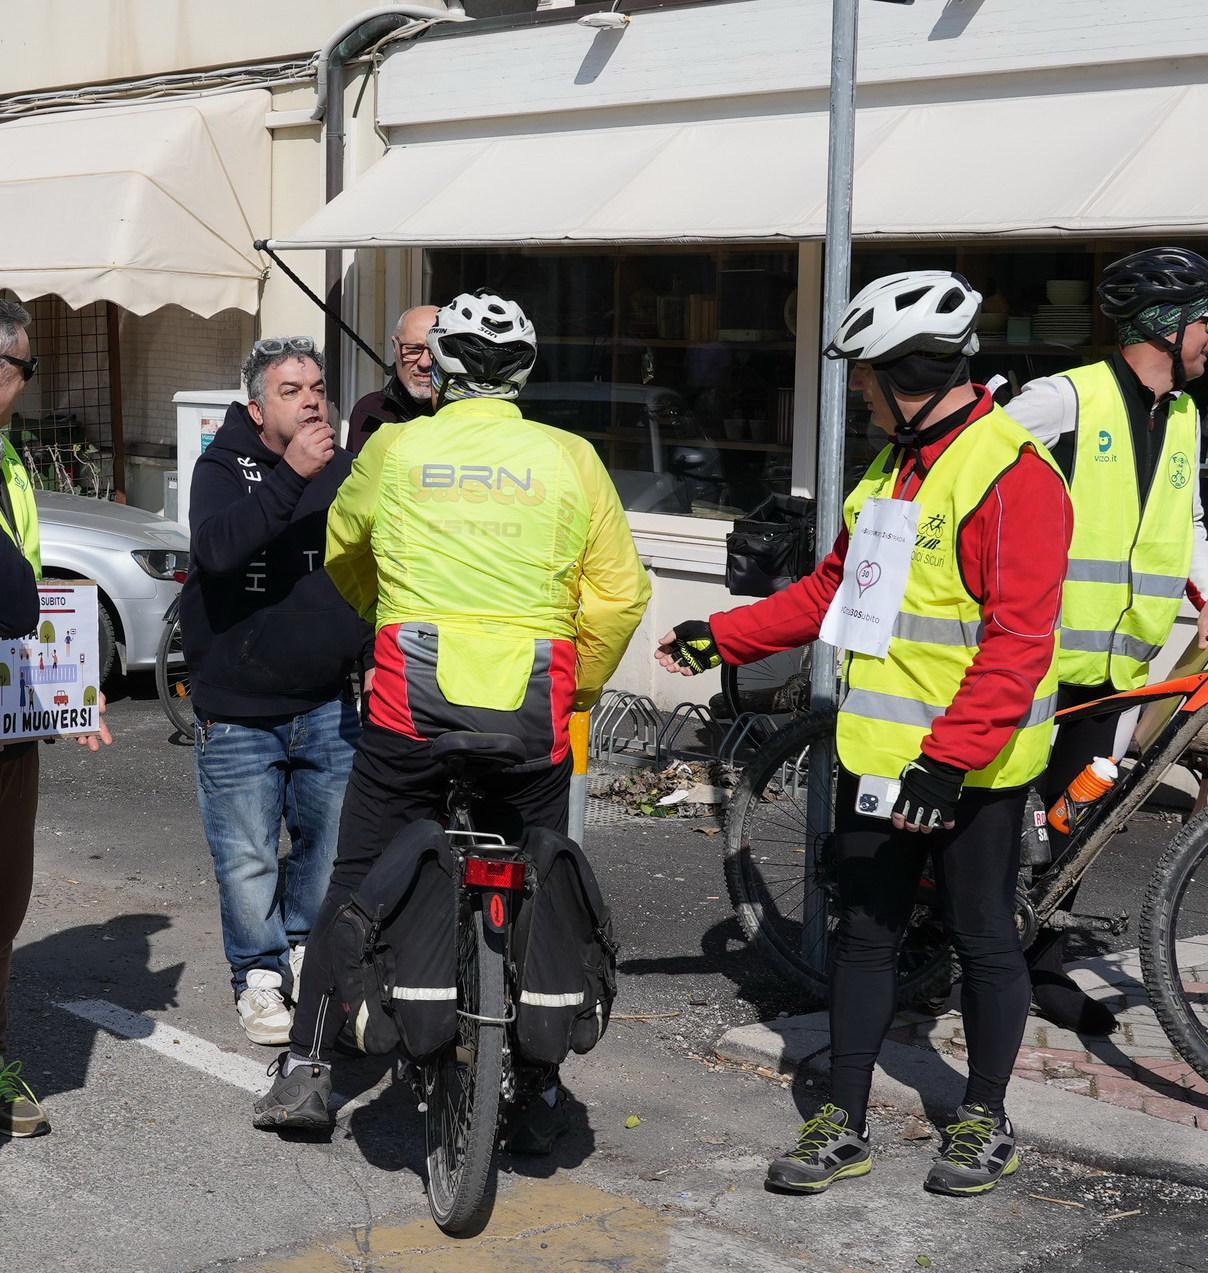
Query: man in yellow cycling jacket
x=1126, y=435
x=495, y=560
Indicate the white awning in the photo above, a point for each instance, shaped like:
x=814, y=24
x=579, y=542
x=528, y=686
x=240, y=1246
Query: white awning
x=1098, y=162
x=141, y=205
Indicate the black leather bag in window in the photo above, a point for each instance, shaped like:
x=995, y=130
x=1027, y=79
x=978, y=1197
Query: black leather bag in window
x=772, y=547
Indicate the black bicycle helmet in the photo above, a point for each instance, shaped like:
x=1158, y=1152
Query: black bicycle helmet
x=1157, y=276
x=1153, y=276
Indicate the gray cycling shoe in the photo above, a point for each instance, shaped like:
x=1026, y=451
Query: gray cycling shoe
x=979, y=1151
x=826, y=1151
x=297, y=1100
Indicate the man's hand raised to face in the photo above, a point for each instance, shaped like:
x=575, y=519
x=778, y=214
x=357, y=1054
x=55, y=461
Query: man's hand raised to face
x=310, y=449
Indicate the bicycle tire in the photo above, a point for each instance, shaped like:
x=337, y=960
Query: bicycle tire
x=926, y=963
x=170, y=678
x=1163, y=905
x=461, y=1141
x=757, y=687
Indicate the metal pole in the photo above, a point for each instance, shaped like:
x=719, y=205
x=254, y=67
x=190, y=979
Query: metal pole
x=580, y=739
x=832, y=417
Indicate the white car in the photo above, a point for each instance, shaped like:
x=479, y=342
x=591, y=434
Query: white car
x=138, y=559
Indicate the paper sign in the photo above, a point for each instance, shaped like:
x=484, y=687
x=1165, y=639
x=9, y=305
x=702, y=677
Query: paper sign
x=209, y=429
x=48, y=679
x=862, y=614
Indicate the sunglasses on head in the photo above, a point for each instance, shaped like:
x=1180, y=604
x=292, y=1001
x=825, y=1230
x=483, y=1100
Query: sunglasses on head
x=27, y=366
x=284, y=345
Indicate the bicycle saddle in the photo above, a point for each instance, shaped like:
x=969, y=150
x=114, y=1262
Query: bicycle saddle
x=493, y=751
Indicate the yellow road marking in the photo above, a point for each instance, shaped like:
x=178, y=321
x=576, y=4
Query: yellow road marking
x=535, y=1225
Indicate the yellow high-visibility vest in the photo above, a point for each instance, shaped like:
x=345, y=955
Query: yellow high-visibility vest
x=889, y=703
x=25, y=511
x=1128, y=565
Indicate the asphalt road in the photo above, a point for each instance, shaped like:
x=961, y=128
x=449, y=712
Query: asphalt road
x=153, y=1164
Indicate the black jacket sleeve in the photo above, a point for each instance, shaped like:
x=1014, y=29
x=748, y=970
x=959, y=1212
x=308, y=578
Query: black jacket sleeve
x=18, y=591
x=228, y=524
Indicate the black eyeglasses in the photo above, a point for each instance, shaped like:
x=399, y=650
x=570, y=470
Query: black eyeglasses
x=409, y=353
x=275, y=345
x=27, y=365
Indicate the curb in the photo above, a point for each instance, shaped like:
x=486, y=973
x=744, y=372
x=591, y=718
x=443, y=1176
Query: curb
x=923, y=1082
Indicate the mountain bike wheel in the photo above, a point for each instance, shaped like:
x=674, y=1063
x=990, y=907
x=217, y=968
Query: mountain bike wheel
x=1174, y=942
x=777, y=685
x=779, y=874
x=462, y=1086
x=172, y=680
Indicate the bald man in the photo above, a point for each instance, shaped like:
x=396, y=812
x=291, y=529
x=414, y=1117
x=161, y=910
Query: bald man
x=408, y=392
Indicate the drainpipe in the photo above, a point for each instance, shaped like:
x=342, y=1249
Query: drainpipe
x=352, y=39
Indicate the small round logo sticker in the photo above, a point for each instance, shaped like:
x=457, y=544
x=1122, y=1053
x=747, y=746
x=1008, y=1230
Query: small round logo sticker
x=1180, y=470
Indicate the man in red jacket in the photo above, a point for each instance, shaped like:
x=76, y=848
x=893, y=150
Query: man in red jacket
x=947, y=608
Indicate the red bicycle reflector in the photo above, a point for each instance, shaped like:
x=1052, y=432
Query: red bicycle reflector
x=489, y=873
x=498, y=913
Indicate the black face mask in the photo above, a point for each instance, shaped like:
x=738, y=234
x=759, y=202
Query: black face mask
x=917, y=374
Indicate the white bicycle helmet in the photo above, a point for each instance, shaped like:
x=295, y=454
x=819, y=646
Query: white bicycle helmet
x=919, y=312
x=482, y=345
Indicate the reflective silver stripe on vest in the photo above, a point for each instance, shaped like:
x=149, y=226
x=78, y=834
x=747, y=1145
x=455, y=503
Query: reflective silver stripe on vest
x=897, y=710
x=1043, y=709
x=571, y=999
x=1088, y=641
x=1158, y=585
x=932, y=631
x=425, y=993
x=1084, y=571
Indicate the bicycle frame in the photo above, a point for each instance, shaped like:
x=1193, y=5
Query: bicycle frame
x=1107, y=815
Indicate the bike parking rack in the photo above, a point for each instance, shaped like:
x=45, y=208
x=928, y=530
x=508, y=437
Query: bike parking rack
x=681, y=714
x=749, y=729
x=644, y=720
x=611, y=702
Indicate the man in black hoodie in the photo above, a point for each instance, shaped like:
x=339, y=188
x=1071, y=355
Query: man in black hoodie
x=270, y=646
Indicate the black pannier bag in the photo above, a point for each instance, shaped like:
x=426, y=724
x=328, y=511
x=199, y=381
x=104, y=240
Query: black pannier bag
x=393, y=947
x=772, y=547
x=565, y=955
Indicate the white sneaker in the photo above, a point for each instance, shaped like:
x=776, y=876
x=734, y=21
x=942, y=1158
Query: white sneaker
x=262, y=1008
x=296, y=955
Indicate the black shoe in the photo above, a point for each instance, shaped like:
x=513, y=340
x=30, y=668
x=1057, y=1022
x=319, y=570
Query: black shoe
x=534, y=1126
x=297, y=1100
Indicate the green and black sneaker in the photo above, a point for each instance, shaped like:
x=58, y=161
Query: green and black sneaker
x=979, y=1151
x=826, y=1151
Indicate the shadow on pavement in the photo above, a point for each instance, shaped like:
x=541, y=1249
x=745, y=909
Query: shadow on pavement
x=725, y=952
x=91, y=961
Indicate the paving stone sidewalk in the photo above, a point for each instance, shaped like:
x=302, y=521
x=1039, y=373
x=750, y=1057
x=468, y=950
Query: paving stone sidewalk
x=1136, y=1067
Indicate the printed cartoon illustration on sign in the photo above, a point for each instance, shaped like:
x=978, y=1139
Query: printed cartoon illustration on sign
x=46, y=668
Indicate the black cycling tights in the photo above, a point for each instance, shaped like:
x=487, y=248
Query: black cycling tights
x=394, y=781
x=975, y=867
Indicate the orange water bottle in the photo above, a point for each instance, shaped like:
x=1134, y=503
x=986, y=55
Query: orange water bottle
x=1094, y=782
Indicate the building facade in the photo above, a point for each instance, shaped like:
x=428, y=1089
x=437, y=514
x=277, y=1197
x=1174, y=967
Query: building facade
x=654, y=193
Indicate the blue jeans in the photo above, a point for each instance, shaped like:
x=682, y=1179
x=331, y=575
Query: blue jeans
x=249, y=776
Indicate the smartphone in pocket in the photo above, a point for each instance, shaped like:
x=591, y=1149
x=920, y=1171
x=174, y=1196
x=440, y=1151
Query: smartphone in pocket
x=875, y=797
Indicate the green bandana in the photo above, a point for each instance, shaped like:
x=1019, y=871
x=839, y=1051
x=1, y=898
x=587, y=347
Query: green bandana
x=1162, y=319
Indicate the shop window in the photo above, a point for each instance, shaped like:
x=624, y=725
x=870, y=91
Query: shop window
x=677, y=365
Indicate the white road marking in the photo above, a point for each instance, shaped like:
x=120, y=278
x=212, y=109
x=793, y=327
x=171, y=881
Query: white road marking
x=190, y=1050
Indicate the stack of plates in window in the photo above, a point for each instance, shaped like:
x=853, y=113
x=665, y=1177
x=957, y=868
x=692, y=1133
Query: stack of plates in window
x=1062, y=324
